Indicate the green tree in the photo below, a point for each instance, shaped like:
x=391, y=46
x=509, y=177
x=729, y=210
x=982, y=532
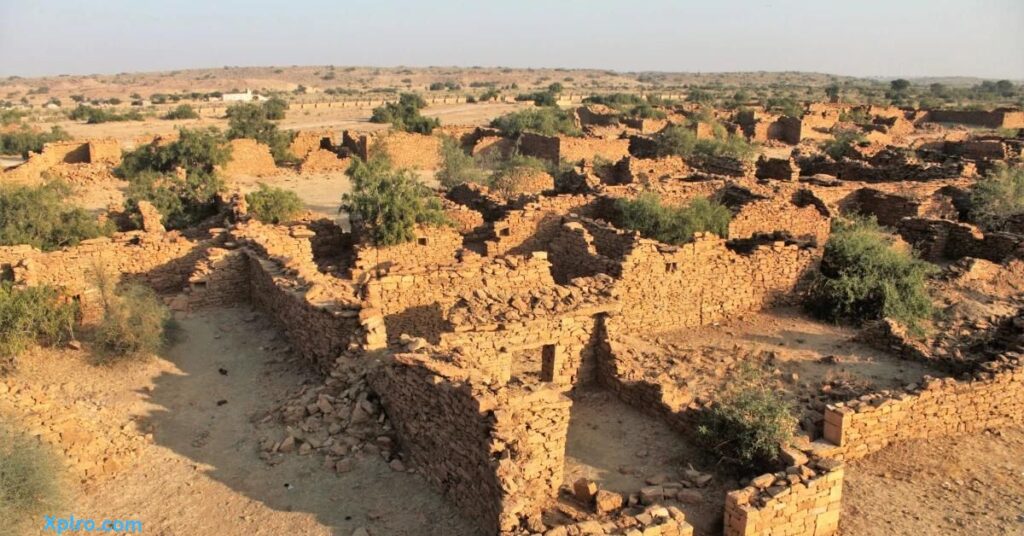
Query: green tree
x=387, y=204
x=273, y=205
x=183, y=111
x=405, y=115
x=40, y=217
x=899, y=85
x=250, y=120
x=865, y=276
x=671, y=225
x=548, y=121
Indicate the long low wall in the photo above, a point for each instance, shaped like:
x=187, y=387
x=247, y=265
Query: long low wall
x=939, y=408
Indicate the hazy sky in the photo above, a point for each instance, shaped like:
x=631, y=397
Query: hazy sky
x=864, y=37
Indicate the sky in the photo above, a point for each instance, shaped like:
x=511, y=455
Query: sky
x=908, y=38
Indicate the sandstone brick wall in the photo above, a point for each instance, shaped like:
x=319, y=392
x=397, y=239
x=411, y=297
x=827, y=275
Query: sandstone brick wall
x=416, y=304
x=307, y=141
x=804, y=503
x=778, y=213
x=889, y=208
x=319, y=160
x=105, y=151
x=497, y=454
x=99, y=151
x=992, y=398
x=495, y=147
x=533, y=227
x=576, y=149
x=409, y=150
x=783, y=169
x=220, y=279
x=538, y=146
x=938, y=240
x=702, y=282
x=249, y=157
x=575, y=252
x=433, y=246
x=638, y=170
x=991, y=119
x=357, y=144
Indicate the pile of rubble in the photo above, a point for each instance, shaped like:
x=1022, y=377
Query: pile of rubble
x=483, y=306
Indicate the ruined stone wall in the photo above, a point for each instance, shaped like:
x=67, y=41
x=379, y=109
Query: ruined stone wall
x=220, y=279
x=105, y=151
x=357, y=144
x=496, y=147
x=409, y=150
x=307, y=141
x=575, y=251
x=433, y=246
x=575, y=149
x=560, y=349
x=249, y=157
x=416, y=304
x=497, y=454
x=766, y=216
x=783, y=169
x=319, y=160
x=992, y=119
x=464, y=218
x=321, y=330
x=702, y=282
x=938, y=240
x=162, y=261
x=532, y=227
x=991, y=399
x=804, y=503
x=539, y=146
x=100, y=151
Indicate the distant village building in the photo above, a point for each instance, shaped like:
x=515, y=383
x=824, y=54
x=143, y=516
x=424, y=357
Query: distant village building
x=248, y=96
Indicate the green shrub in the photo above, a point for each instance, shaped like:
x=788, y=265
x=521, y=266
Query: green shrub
x=998, y=197
x=864, y=276
x=680, y=140
x=151, y=174
x=457, y=167
x=250, y=120
x=405, y=115
x=545, y=121
x=629, y=104
x=94, y=115
x=26, y=139
x=40, y=217
x=540, y=98
x=747, y=426
x=133, y=324
x=183, y=111
x=32, y=315
x=842, y=144
x=29, y=480
x=275, y=108
x=671, y=225
x=388, y=203
x=273, y=205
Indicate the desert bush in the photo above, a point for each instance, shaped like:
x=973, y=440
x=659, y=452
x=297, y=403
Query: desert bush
x=405, y=114
x=32, y=315
x=151, y=172
x=457, y=167
x=273, y=205
x=182, y=111
x=275, y=108
x=842, y=143
x=389, y=203
x=134, y=319
x=40, y=217
x=250, y=120
x=747, y=426
x=998, y=197
x=94, y=115
x=29, y=480
x=679, y=140
x=27, y=139
x=671, y=225
x=865, y=276
x=629, y=104
x=546, y=121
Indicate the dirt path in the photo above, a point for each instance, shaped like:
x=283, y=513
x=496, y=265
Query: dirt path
x=972, y=485
x=202, y=473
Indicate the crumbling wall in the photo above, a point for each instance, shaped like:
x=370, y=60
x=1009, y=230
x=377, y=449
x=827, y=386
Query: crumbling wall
x=249, y=157
x=702, y=282
x=573, y=149
x=539, y=146
x=782, y=169
x=765, y=216
x=992, y=398
x=100, y=151
x=804, y=502
x=307, y=141
x=938, y=240
x=357, y=144
x=416, y=304
x=496, y=453
x=409, y=150
x=433, y=246
x=320, y=160
x=105, y=151
x=639, y=170
x=989, y=119
x=533, y=227
x=496, y=147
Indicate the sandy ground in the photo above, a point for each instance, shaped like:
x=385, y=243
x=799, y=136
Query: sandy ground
x=202, y=474
x=327, y=118
x=970, y=485
x=619, y=447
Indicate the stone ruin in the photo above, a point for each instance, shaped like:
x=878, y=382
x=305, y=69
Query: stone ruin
x=468, y=343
